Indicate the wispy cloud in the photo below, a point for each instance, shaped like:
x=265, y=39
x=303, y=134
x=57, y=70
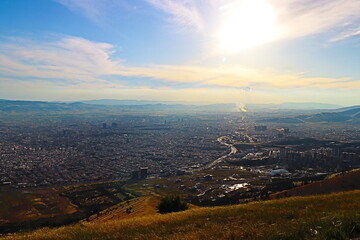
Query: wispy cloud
x=92, y=9
x=242, y=77
x=303, y=18
x=347, y=34
x=74, y=61
x=71, y=58
x=183, y=13
x=295, y=18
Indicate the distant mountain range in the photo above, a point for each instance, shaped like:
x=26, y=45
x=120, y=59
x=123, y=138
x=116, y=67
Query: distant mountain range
x=348, y=114
x=41, y=106
x=93, y=106
x=315, y=112
x=348, y=108
x=293, y=105
x=125, y=102
x=287, y=105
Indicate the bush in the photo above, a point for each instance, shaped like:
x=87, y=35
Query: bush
x=171, y=203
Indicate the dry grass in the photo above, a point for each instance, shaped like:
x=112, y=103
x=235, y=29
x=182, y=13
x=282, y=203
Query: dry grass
x=136, y=207
x=28, y=206
x=334, y=216
x=345, y=181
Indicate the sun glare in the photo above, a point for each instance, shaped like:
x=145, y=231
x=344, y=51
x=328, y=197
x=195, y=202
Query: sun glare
x=245, y=24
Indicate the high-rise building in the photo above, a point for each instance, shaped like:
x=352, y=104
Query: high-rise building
x=143, y=173
x=135, y=175
x=260, y=128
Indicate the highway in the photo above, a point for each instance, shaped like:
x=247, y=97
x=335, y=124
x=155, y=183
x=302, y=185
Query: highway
x=223, y=141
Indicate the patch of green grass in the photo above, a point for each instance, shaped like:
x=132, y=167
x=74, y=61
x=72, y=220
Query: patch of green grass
x=333, y=216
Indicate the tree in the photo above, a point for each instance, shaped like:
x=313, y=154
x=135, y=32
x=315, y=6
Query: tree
x=171, y=203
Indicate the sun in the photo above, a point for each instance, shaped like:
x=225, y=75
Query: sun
x=246, y=24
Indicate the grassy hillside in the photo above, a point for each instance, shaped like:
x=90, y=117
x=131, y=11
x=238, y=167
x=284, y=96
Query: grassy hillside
x=34, y=208
x=339, y=182
x=334, y=216
x=136, y=207
x=27, y=206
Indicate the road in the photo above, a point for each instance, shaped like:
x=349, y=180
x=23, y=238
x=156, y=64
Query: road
x=233, y=150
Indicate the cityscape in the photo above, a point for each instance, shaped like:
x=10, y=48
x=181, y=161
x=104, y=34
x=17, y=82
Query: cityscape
x=179, y=120
x=39, y=153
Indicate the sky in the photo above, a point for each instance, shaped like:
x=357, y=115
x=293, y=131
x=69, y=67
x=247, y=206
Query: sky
x=196, y=51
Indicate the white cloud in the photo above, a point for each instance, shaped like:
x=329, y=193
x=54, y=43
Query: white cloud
x=92, y=9
x=347, y=34
x=74, y=61
x=184, y=13
x=303, y=18
x=242, y=77
x=296, y=18
x=71, y=58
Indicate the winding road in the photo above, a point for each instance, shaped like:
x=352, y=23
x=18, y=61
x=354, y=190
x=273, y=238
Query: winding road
x=233, y=150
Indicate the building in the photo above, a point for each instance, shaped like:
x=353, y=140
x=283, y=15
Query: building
x=143, y=173
x=260, y=128
x=135, y=175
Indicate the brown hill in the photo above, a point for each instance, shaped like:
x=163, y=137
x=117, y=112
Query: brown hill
x=136, y=207
x=332, y=216
x=345, y=181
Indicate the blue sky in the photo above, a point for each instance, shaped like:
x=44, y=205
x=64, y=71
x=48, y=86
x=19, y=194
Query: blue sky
x=243, y=51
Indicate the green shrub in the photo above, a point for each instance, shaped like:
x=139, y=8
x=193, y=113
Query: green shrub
x=171, y=203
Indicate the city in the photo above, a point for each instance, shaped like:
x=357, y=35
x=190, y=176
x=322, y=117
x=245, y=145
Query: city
x=179, y=119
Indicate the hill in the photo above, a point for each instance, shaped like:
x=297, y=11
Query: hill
x=104, y=107
x=350, y=114
x=293, y=105
x=42, y=107
x=286, y=105
x=124, y=102
x=136, y=207
x=334, y=216
x=341, y=182
x=34, y=208
x=348, y=108
x=119, y=106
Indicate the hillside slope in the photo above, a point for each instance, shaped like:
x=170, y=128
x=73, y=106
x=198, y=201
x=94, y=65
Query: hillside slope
x=341, y=182
x=34, y=208
x=345, y=115
x=334, y=216
x=136, y=207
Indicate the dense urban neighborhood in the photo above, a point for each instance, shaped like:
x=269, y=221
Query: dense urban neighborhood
x=60, y=150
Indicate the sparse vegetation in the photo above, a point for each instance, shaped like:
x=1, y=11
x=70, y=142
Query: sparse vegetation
x=171, y=203
x=333, y=216
x=339, y=182
x=36, y=208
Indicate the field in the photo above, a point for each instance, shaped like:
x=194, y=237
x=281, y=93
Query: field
x=333, y=216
